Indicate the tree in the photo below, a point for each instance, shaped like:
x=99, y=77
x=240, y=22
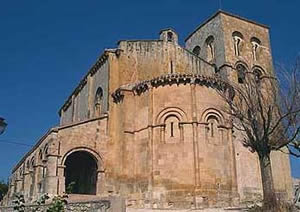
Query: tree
x=3, y=189
x=266, y=108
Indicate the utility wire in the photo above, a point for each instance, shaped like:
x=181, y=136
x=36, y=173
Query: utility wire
x=16, y=143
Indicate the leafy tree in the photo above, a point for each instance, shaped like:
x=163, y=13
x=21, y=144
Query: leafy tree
x=70, y=187
x=3, y=189
x=19, y=203
x=57, y=204
x=265, y=107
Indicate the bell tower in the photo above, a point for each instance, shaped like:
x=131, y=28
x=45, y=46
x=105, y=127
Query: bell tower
x=232, y=43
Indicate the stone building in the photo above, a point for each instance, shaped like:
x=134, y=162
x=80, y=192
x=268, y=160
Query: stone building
x=146, y=123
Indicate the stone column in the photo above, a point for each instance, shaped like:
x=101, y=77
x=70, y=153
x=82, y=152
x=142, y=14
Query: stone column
x=12, y=190
x=61, y=179
x=17, y=185
x=36, y=176
x=234, y=186
x=100, y=182
x=32, y=182
x=51, y=180
x=27, y=182
x=91, y=96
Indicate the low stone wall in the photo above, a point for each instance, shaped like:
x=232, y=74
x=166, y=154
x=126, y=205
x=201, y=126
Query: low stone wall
x=184, y=210
x=109, y=205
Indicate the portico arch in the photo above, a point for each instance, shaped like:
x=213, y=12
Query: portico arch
x=81, y=171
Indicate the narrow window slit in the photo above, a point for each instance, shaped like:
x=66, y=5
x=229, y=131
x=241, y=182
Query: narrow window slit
x=172, y=129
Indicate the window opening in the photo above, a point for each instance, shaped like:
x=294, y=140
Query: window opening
x=237, y=38
x=255, y=45
x=213, y=124
x=210, y=48
x=170, y=36
x=81, y=173
x=257, y=75
x=172, y=129
x=98, y=101
x=241, y=73
x=196, y=50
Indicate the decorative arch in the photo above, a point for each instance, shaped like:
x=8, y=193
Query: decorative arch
x=213, y=120
x=259, y=68
x=28, y=164
x=96, y=156
x=237, y=38
x=32, y=162
x=241, y=69
x=169, y=119
x=46, y=150
x=258, y=72
x=21, y=172
x=81, y=171
x=255, y=40
x=256, y=43
x=210, y=48
x=175, y=111
x=212, y=112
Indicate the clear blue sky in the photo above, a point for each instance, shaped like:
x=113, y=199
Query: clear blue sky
x=47, y=46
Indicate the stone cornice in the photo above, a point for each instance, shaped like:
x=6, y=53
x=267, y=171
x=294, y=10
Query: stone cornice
x=170, y=79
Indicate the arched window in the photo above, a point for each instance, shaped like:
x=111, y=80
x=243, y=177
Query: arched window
x=257, y=75
x=32, y=162
x=46, y=150
x=81, y=173
x=98, y=101
x=241, y=73
x=212, y=126
x=210, y=48
x=255, y=45
x=172, y=127
x=40, y=155
x=196, y=50
x=237, y=39
x=21, y=172
x=170, y=36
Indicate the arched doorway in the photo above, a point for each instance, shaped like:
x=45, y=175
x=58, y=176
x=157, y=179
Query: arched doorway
x=81, y=173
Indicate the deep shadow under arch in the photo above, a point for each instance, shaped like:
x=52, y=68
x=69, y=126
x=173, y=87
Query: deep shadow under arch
x=81, y=173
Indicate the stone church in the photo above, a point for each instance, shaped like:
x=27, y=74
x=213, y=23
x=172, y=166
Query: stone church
x=146, y=124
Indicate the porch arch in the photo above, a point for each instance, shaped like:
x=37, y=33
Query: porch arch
x=81, y=168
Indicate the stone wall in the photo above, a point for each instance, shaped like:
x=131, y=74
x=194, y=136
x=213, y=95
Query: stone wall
x=111, y=204
x=82, y=103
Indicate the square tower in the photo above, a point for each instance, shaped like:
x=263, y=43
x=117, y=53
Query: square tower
x=228, y=40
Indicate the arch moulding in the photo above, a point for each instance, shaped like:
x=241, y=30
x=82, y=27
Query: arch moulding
x=93, y=153
x=162, y=115
x=212, y=112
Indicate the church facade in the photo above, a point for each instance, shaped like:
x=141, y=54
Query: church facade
x=146, y=123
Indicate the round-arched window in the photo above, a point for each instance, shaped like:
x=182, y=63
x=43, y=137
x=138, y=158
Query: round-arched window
x=98, y=101
x=241, y=73
x=210, y=48
x=196, y=50
x=170, y=36
x=256, y=43
x=237, y=39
